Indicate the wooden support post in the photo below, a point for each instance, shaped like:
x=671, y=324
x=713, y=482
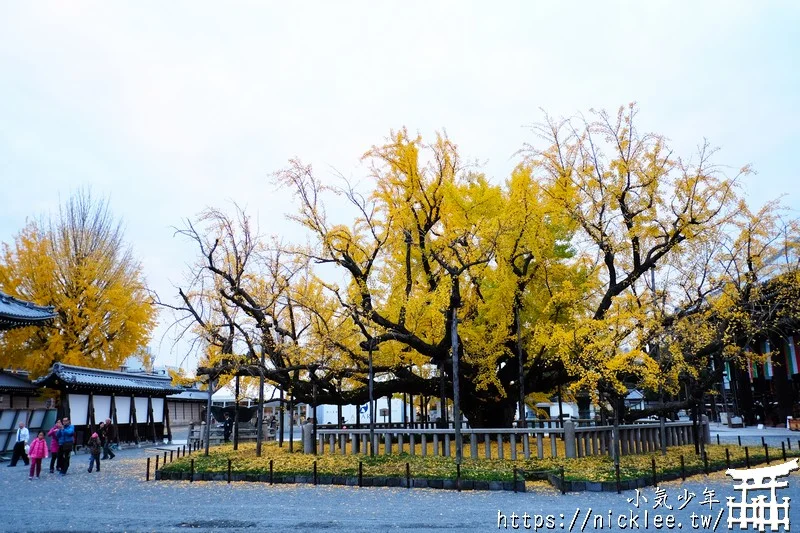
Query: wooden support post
x=114, y=422
x=166, y=421
x=147, y=472
x=229, y=471
x=191, y=471
x=653, y=466
x=133, y=421
x=90, y=413
x=151, y=419
x=408, y=473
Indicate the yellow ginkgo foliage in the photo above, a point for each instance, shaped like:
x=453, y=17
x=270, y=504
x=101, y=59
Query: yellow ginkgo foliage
x=78, y=263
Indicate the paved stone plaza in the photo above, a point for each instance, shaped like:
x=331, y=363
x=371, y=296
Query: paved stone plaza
x=118, y=499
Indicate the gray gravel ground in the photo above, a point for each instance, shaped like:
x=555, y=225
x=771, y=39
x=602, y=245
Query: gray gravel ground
x=118, y=499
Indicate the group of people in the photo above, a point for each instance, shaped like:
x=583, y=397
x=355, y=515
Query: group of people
x=60, y=448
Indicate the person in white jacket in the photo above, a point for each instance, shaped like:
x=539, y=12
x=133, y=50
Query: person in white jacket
x=20, y=444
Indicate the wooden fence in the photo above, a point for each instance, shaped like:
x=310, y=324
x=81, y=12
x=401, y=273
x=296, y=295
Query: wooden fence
x=569, y=440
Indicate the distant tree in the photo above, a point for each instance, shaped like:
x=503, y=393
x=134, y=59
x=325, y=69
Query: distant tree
x=78, y=262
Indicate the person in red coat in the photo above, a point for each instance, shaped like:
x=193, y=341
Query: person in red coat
x=37, y=452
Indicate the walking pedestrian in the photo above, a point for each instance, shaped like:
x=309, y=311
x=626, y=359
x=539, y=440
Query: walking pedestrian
x=94, y=451
x=38, y=451
x=106, y=436
x=66, y=439
x=20, y=445
x=54, y=446
x=227, y=427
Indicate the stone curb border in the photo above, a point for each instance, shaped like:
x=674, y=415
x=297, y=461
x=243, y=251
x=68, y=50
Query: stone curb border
x=350, y=481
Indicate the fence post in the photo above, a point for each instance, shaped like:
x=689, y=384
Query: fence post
x=783, y=451
x=569, y=438
x=270, y=472
x=315, y=472
x=727, y=458
x=229, y=471
x=705, y=462
x=170, y=456
x=717, y=439
x=619, y=484
x=408, y=476
x=515, y=478
x=156, y=468
x=746, y=457
x=360, y=473
x=766, y=451
x=147, y=473
x=458, y=478
x=739, y=438
x=191, y=472
x=563, y=483
x=683, y=469
x=653, y=465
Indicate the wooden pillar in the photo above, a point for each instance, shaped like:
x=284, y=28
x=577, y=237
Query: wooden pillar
x=151, y=419
x=113, y=417
x=166, y=420
x=133, y=422
x=90, y=413
x=64, y=408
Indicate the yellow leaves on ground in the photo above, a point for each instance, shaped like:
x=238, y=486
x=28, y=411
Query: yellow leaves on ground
x=594, y=468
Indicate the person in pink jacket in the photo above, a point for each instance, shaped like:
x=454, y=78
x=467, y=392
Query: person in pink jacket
x=54, y=445
x=37, y=452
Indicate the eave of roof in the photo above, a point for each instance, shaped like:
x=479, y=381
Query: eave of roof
x=16, y=313
x=81, y=378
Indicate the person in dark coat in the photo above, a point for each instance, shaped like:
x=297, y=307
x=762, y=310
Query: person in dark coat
x=227, y=427
x=66, y=440
x=94, y=447
x=106, y=436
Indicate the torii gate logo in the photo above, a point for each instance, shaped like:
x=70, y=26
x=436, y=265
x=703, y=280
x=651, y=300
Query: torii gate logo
x=759, y=511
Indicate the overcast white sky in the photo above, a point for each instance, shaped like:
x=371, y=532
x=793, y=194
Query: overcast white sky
x=169, y=107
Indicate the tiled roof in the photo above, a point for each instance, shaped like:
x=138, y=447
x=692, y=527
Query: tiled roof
x=16, y=313
x=191, y=395
x=77, y=377
x=15, y=383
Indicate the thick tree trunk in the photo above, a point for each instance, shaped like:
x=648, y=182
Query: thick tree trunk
x=483, y=414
